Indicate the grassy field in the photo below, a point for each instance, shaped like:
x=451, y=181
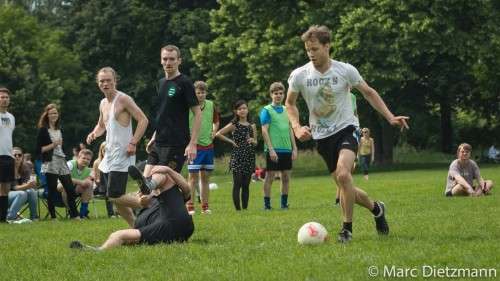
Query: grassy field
x=426, y=229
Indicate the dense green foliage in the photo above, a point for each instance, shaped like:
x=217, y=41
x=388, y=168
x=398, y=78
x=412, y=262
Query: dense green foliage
x=435, y=61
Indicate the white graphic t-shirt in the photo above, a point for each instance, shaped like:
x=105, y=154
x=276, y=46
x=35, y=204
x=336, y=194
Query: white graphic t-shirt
x=327, y=96
x=7, y=125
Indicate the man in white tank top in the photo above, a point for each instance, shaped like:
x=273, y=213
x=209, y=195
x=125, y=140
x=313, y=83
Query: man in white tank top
x=116, y=112
x=324, y=84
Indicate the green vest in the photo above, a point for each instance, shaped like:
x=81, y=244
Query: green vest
x=353, y=100
x=279, y=129
x=79, y=175
x=207, y=118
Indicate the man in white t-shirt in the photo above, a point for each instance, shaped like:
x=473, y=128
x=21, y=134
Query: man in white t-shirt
x=324, y=84
x=7, y=162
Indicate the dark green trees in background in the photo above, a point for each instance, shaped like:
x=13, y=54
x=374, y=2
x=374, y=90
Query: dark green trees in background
x=424, y=58
x=436, y=61
x=36, y=66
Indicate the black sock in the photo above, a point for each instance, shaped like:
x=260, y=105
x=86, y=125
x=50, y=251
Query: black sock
x=4, y=206
x=376, y=209
x=348, y=226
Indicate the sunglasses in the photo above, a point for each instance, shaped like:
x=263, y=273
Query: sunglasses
x=18, y=155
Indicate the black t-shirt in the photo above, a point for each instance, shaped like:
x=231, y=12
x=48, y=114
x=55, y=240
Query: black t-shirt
x=174, y=100
x=168, y=206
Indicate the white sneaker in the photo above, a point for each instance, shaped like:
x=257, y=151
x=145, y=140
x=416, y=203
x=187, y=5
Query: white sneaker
x=22, y=221
x=206, y=212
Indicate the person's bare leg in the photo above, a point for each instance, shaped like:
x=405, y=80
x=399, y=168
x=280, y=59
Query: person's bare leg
x=147, y=170
x=268, y=182
x=204, y=188
x=362, y=199
x=193, y=180
x=86, y=194
x=459, y=190
x=121, y=237
x=124, y=205
x=344, y=179
x=285, y=181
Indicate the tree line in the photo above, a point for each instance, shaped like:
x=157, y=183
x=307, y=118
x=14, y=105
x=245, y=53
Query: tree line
x=435, y=61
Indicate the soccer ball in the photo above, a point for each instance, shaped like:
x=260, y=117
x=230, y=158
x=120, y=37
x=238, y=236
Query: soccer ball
x=312, y=233
x=213, y=186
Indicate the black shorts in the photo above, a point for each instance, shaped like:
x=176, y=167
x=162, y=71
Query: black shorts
x=329, y=147
x=7, y=172
x=172, y=156
x=166, y=221
x=116, y=183
x=284, y=162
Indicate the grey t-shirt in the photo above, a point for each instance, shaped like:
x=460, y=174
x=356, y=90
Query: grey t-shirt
x=468, y=171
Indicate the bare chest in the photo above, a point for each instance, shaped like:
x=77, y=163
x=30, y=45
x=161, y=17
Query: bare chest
x=119, y=113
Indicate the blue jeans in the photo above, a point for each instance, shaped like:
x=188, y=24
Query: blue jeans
x=364, y=162
x=41, y=177
x=18, y=198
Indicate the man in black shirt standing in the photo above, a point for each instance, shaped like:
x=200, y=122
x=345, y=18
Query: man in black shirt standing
x=172, y=142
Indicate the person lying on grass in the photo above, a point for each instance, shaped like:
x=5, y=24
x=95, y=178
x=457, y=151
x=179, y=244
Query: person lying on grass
x=462, y=173
x=164, y=218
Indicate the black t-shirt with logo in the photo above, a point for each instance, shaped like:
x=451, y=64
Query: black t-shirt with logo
x=174, y=100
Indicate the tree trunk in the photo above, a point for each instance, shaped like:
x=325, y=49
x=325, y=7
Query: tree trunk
x=446, y=126
x=387, y=143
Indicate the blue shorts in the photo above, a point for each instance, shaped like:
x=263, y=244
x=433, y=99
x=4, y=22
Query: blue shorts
x=204, y=161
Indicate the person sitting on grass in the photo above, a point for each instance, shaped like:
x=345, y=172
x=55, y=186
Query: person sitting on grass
x=22, y=190
x=164, y=218
x=462, y=173
x=82, y=180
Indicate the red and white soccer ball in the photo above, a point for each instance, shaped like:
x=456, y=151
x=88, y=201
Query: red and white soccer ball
x=312, y=233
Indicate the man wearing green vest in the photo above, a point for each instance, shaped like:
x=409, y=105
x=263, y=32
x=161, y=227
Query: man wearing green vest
x=200, y=168
x=82, y=180
x=279, y=144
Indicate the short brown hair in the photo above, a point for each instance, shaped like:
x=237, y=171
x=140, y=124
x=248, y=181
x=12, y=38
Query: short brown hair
x=200, y=85
x=276, y=86
x=172, y=48
x=43, y=122
x=107, y=69
x=4, y=90
x=87, y=152
x=320, y=32
x=465, y=146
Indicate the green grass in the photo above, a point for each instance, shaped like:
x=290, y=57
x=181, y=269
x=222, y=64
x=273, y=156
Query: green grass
x=426, y=229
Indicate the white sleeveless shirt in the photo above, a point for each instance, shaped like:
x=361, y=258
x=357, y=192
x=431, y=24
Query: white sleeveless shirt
x=117, y=139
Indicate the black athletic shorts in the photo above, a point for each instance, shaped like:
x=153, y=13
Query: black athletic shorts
x=329, y=147
x=172, y=156
x=284, y=162
x=166, y=221
x=7, y=173
x=116, y=183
